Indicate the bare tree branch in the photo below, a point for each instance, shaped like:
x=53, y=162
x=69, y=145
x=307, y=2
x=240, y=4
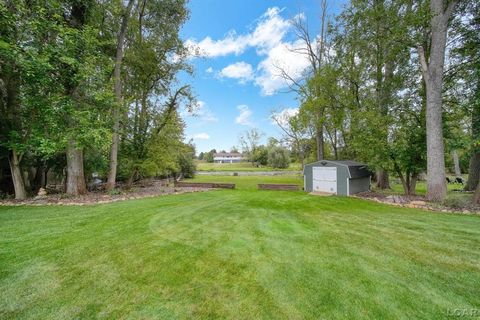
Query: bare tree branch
x=171, y=106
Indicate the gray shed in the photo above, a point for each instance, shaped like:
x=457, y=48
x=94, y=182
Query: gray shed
x=342, y=177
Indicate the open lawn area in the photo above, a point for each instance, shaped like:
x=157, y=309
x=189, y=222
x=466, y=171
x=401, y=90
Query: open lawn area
x=237, y=254
x=242, y=166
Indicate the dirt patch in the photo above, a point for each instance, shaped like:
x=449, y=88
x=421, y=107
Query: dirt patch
x=143, y=190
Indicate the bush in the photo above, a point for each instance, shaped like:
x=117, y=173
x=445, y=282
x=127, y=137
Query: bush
x=208, y=157
x=187, y=165
x=457, y=201
x=260, y=156
x=278, y=157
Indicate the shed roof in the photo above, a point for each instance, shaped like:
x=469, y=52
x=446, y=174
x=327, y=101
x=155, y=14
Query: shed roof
x=355, y=169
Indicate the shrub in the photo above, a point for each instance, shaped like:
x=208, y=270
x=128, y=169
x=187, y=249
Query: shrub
x=260, y=156
x=115, y=192
x=457, y=201
x=278, y=157
x=187, y=165
x=208, y=157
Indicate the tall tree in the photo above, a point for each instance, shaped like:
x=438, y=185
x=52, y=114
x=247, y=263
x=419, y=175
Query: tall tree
x=373, y=59
x=432, y=70
x=294, y=132
x=11, y=126
x=313, y=48
x=249, y=142
x=75, y=19
x=467, y=64
x=112, y=175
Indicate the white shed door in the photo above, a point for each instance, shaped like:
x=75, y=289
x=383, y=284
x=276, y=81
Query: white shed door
x=325, y=179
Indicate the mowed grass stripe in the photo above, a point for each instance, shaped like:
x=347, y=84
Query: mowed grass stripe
x=237, y=254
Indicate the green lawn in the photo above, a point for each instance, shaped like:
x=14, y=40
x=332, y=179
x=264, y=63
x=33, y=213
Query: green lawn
x=237, y=254
x=242, y=166
x=249, y=182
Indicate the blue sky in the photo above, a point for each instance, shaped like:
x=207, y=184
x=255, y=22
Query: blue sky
x=242, y=43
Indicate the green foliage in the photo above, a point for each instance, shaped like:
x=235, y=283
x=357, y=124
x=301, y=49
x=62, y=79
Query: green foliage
x=165, y=148
x=249, y=142
x=187, y=165
x=209, y=156
x=260, y=155
x=56, y=60
x=457, y=201
x=114, y=192
x=278, y=157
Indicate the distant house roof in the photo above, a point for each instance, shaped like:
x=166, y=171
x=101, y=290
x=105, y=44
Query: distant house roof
x=227, y=154
x=356, y=169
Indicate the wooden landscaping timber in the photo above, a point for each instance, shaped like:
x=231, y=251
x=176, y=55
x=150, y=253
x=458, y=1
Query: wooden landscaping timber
x=204, y=185
x=267, y=186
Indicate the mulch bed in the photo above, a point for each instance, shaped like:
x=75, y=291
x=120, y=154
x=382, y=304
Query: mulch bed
x=415, y=201
x=151, y=189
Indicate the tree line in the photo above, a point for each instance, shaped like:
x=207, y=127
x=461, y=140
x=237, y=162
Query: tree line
x=274, y=153
x=91, y=86
x=394, y=84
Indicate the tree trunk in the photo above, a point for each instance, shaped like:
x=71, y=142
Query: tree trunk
x=412, y=185
x=474, y=166
x=17, y=176
x=118, y=98
x=476, y=197
x=28, y=178
x=405, y=182
x=436, y=187
x=383, y=181
x=40, y=180
x=433, y=76
x=456, y=164
x=75, y=178
x=131, y=179
x=320, y=143
x=473, y=172
x=301, y=154
x=335, y=144
x=64, y=179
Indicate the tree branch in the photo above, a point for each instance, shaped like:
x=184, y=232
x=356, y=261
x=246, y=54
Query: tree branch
x=171, y=105
x=451, y=6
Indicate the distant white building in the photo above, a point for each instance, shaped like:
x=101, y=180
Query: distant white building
x=227, y=157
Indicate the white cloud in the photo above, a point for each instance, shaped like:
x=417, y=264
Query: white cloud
x=267, y=38
x=201, y=136
x=217, y=48
x=269, y=31
x=203, y=112
x=209, y=70
x=244, y=117
x=281, y=57
x=284, y=115
x=240, y=70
